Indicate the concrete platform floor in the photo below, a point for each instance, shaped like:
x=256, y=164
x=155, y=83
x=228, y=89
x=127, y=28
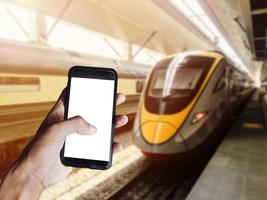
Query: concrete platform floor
x=238, y=169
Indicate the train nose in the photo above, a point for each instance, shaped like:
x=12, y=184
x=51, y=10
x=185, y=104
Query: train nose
x=157, y=132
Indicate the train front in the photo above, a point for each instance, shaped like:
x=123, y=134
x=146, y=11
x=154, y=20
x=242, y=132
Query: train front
x=171, y=91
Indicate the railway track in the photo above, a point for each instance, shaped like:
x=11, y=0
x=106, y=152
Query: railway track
x=156, y=182
x=117, y=182
x=147, y=180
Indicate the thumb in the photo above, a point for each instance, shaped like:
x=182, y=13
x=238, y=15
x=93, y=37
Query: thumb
x=73, y=125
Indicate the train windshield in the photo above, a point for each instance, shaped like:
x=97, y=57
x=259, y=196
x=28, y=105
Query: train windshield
x=174, y=83
x=179, y=82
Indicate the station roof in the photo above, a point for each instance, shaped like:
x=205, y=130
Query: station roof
x=233, y=17
x=255, y=18
x=155, y=23
x=134, y=21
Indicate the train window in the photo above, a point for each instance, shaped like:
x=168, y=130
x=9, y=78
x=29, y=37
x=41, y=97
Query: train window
x=220, y=83
x=174, y=82
x=180, y=82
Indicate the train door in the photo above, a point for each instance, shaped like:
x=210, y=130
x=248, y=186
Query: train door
x=228, y=84
x=231, y=85
x=220, y=95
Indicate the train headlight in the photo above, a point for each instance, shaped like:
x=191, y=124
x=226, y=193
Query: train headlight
x=199, y=116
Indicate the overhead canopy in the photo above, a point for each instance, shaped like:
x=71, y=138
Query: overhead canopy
x=255, y=16
x=134, y=21
x=259, y=22
x=40, y=59
x=156, y=24
x=231, y=19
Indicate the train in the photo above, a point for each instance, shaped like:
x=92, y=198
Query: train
x=185, y=98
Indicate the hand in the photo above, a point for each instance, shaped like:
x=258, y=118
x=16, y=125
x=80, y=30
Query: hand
x=41, y=157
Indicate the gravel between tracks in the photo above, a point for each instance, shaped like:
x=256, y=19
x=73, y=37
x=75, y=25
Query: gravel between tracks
x=114, y=183
x=81, y=180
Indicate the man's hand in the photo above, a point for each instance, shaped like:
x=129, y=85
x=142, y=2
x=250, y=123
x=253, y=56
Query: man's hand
x=40, y=161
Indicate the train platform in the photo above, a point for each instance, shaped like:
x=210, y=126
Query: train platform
x=238, y=169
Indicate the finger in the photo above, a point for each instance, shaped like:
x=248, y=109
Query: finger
x=73, y=125
x=120, y=98
x=60, y=101
x=117, y=147
x=121, y=120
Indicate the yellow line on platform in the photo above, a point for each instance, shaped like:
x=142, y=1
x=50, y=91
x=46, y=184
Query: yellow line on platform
x=253, y=125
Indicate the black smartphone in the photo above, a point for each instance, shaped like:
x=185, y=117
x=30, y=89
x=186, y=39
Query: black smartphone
x=91, y=94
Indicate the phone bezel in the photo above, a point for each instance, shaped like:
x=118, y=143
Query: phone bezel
x=95, y=73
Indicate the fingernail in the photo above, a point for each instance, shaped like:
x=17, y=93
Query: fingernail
x=93, y=129
x=124, y=119
x=122, y=97
x=118, y=148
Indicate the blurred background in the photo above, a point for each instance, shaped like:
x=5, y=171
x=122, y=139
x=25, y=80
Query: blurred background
x=41, y=39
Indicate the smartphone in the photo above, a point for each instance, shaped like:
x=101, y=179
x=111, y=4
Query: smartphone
x=91, y=94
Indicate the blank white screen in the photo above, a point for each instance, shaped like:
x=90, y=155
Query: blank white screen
x=91, y=99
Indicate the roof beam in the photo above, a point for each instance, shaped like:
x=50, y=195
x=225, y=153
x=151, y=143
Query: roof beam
x=245, y=8
x=21, y=27
x=65, y=8
x=145, y=43
x=41, y=59
x=112, y=47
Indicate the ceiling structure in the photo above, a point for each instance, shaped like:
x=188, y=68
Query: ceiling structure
x=135, y=21
x=233, y=23
x=229, y=19
x=41, y=59
x=255, y=12
x=154, y=24
x=255, y=23
x=259, y=22
x=228, y=15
